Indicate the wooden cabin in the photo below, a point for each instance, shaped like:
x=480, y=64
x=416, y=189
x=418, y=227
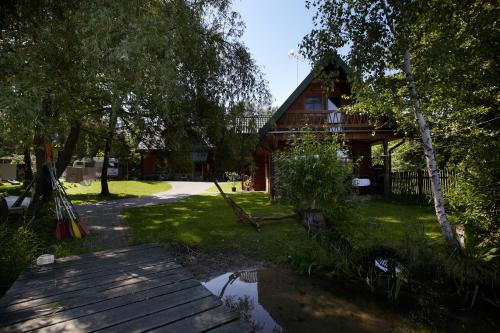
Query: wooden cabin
x=194, y=163
x=309, y=107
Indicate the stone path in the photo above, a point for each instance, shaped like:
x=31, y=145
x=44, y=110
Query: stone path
x=107, y=226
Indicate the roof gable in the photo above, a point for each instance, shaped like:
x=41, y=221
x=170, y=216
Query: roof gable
x=295, y=94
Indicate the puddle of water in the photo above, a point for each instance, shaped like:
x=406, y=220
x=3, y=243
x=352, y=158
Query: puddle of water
x=239, y=290
x=275, y=300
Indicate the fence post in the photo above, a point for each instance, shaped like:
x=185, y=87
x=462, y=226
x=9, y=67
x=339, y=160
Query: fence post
x=420, y=182
x=387, y=169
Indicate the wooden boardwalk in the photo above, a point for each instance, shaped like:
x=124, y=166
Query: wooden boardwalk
x=133, y=289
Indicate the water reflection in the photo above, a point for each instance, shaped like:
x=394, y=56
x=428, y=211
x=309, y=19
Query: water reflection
x=239, y=291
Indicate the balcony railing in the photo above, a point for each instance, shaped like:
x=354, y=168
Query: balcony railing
x=334, y=120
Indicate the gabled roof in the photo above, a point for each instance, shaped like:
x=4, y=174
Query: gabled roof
x=295, y=94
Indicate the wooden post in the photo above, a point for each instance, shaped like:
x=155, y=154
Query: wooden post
x=387, y=169
x=142, y=165
x=420, y=182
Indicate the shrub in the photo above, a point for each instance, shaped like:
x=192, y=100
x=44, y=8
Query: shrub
x=19, y=247
x=310, y=174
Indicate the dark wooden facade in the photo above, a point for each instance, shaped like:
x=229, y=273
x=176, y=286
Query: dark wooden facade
x=297, y=115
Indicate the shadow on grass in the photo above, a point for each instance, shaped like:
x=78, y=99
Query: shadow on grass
x=206, y=221
x=78, y=199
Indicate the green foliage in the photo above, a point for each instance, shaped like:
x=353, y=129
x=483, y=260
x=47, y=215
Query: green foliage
x=476, y=201
x=139, y=63
x=453, y=50
x=19, y=247
x=179, y=162
x=311, y=173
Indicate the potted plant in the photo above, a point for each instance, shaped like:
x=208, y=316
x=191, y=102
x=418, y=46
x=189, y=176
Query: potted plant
x=232, y=177
x=248, y=183
x=311, y=177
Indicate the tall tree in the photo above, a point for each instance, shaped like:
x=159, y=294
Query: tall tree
x=132, y=65
x=392, y=62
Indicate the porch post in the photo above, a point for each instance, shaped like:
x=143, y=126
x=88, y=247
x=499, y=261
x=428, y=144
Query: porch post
x=387, y=168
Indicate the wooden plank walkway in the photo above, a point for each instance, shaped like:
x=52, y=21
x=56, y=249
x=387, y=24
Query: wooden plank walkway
x=134, y=289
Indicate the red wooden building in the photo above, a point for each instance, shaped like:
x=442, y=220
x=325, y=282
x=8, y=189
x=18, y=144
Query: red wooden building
x=309, y=106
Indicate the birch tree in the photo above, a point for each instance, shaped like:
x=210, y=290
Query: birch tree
x=382, y=36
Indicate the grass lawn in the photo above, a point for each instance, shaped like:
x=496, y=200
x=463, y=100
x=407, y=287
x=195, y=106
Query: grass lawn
x=119, y=189
x=381, y=222
x=10, y=189
x=226, y=187
x=207, y=222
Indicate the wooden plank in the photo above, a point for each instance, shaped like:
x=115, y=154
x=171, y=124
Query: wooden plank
x=129, y=283
x=112, y=317
x=106, y=253
x=234, y=326
x=90, y=259
x=88, y=309
x=120, y=291
x=30, y=295
x=83, y=259
x=201, y=322
x=166, y=317
x=9, y=317
x=57, y=268
x=72, y=275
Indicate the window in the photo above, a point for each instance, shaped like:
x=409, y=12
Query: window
x=334, y=103
x=335, y=118
x=313, y=103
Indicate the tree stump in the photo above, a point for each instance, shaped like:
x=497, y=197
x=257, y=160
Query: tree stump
x=313, y=219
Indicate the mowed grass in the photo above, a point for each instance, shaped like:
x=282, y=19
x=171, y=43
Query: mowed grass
x=378, y=222
x=10, y=189
x=205, y=221
x=226, y=187
x=119, y=189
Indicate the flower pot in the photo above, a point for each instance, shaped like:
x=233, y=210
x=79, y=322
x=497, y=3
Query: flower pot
x=233, y=189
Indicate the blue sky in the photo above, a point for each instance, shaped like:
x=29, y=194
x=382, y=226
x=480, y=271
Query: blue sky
x=273, y=27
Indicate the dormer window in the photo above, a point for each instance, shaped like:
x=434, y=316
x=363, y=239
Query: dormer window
x=313, y=103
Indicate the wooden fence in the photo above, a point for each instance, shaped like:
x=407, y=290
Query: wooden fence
x=415, y=186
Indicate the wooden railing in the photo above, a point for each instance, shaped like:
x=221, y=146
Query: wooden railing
x=324, y=119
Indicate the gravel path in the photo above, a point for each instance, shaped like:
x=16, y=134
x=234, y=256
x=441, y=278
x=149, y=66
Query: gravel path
x=108, y=230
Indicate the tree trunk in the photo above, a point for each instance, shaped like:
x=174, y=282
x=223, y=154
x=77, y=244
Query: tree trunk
x=107, y=148
x=104, y=170
x=28, y=172
x=36, y=202
x=64, y=157
x=429, y=155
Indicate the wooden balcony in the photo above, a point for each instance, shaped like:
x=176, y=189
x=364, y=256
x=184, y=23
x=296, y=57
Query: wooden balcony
x=334, y=121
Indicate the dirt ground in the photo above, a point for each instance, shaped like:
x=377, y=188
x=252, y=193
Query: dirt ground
x=206, y=266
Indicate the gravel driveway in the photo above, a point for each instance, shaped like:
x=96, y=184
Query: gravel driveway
x=108, y=230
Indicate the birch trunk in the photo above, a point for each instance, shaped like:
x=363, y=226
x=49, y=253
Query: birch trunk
x=429, y=155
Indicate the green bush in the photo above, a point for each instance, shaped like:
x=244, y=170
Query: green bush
x=19, y=248
x=310, y=174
